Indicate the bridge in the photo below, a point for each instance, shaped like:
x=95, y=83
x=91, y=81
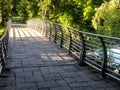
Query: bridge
x=48, y=56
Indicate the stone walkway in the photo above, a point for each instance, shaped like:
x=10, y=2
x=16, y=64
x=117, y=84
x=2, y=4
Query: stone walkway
x=38, y=64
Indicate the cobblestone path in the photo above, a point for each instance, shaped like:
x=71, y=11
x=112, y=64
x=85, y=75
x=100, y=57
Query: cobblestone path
x=38, y=64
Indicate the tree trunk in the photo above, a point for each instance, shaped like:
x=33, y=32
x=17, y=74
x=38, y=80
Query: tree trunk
x=2, y=13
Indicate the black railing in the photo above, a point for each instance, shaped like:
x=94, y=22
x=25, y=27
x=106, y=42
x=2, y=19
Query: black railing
x=99, y=51
x=4, y=47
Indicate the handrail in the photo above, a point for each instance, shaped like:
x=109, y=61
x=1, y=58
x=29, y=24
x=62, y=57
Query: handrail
x=4, y=47
x=99, y=51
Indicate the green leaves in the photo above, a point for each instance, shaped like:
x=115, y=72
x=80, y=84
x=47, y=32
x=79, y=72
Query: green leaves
x=79, y=14
x=28, y=8
x=5, y=10
x=66, y=19
x=107, y=18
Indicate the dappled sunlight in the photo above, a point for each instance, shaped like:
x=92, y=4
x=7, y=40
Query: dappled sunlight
x=35, y=50
x=56, y=58
x=36, y=60
x=20, y=32
x=65, y=53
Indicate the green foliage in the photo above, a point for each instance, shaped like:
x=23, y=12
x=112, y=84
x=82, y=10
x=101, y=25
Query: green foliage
x=1, y=30
x=87, y=15
x=66, y=19
x=27, y=8
x=72, y=13
x=5, y=10
x=107, y=18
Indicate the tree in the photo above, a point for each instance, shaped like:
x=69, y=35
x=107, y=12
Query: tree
x=72, y=13
x=28, y=8
x=5, y=10
x=107, y=18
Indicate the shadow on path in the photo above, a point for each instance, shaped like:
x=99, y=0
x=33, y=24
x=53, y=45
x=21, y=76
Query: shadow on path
x=38, y=64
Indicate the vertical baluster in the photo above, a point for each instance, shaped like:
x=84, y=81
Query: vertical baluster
x=50, y=30
x=46, y=25
x=70, y=43
x=83, y=50
x=55, y=34
x=61, y=41
x=2, y=55
x=104, y=63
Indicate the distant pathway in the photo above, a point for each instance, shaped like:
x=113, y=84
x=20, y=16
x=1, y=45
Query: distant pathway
x=38, y=64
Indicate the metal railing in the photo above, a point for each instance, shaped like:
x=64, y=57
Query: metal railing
x=99, y=51
x=4, y=47
x=17, y=20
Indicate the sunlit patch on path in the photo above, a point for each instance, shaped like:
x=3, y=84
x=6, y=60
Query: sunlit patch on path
x=38, y=64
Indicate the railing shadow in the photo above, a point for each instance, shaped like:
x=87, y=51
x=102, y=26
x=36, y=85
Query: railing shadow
x=99, y=51
x=28, y=46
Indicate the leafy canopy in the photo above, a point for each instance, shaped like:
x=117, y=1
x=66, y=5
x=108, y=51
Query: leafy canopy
x=107, y=18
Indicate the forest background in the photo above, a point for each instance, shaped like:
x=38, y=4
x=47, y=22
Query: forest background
x=96, y=16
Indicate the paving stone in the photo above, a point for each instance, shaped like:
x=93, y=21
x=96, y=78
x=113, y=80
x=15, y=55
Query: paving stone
x=83, y=88
x=100, y=89
x=51, y=63
x=38, y=64
x=10, y=83
x=26, y=64
x=26, y=85
x=8, y=88
x=82, y=79
x=113, y=88
x=61, y=82
x=15, y=64
x=46, y=84
x=61, y=88
x=99, y=84
x=69, y=74
x=20, y=80
x=37, y=73
x=31, y=69
x=43, y=89
x=18, y=70
x=34, y=79
x=69, y=80
x=80, y=84
x=24, y=74
x=70, y=68
x=27, y=88
x=9, y=77
x=57, y=70
x=52, y=77
x=52, y=70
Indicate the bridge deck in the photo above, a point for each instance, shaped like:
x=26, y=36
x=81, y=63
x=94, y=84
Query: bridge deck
x=38, y=64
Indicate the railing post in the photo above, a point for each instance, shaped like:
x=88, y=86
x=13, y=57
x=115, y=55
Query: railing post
x=44, y=28
x=6, y=39
x=50, y=30
x=104, y=63
x=82, y=55
x=61, y=41
x=46, y=25
x=40, y=31
x=5, y=48
x=55, y=37
x=70, y=36
x=2, y=55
